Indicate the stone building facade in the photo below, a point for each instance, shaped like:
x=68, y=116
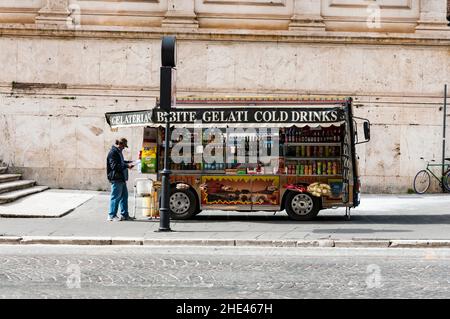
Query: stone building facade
x=64, y=63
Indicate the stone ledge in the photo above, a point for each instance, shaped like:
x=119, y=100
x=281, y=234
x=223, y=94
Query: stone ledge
x=150, y=93
x=436, y=38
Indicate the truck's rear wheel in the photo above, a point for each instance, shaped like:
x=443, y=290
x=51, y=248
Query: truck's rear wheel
x=182, y=203
x=302, y=206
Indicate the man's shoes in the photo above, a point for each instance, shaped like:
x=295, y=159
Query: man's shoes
x=113, y=219
x=124, y=218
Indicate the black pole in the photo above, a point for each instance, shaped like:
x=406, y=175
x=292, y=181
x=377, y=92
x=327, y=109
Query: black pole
x=443, y=137
x=164, y=221
x=167, y=99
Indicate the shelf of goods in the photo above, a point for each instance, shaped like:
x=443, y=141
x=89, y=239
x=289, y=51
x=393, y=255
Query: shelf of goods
x=303, y=151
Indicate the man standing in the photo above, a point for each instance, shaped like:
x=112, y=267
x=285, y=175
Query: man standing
x=117, y=172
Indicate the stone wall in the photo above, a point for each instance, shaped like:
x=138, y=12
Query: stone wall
x=61, y=73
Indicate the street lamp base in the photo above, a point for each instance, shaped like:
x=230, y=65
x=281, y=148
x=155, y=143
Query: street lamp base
x=163, y=230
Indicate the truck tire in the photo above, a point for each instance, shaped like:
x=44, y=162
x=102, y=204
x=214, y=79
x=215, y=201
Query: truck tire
x=302, y=206
x=182, y=203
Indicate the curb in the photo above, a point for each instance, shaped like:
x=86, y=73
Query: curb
x=10, y=240
x=420, y=244
x=363, y=243
x=189, y=242
x=60, y=240
x=133, y=241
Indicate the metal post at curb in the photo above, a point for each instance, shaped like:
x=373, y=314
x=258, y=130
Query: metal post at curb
x=164, y=221
x=443, y=137
x=167, y=99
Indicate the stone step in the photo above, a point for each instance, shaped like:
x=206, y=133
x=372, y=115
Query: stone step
x=15, y=185
x=9, y=177
x=3, y=169
x=12, y=196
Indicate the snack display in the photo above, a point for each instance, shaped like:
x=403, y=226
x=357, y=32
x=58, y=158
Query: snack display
x=319, y=189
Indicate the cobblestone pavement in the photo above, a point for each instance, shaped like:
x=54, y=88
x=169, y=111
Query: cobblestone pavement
x=213, y=272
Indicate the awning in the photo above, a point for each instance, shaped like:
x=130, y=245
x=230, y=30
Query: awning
x=268, y=114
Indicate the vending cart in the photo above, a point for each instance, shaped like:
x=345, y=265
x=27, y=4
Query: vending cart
x=258, y=154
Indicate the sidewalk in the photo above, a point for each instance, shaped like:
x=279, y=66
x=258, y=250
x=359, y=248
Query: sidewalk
x=380, y=221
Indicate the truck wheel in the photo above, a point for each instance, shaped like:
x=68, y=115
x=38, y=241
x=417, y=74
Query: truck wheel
x=182, y=203
x=302, y=206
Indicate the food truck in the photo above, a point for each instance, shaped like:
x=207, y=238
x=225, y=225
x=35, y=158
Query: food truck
x=254, y=154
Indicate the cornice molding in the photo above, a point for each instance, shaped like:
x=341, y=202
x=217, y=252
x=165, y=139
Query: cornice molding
x=436, y=38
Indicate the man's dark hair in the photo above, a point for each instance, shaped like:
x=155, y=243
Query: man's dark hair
x=122, y=141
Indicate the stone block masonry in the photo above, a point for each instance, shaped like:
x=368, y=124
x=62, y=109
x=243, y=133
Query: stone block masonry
x=57, y=81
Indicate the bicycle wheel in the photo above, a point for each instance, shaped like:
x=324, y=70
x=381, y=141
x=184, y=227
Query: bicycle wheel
x=446, y=181
x=422, y=182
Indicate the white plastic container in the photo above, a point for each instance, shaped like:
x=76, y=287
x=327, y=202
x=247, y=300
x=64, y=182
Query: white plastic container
x=144, y=187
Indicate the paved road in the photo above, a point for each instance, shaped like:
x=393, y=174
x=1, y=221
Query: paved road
x=202, y=272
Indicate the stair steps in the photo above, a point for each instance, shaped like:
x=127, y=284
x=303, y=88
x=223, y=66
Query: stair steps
x=9, y=177
x=12, y=187
x=15, y=185
x=14, y=195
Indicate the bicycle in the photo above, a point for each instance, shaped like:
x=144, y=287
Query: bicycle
x=422, y=180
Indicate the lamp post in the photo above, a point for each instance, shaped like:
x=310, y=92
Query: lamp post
x=166, y=99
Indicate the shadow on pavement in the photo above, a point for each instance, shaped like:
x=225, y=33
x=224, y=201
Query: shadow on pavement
x=355, y=219
x=359, y=231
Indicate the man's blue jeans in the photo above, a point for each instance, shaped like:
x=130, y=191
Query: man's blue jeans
x=119, y=197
